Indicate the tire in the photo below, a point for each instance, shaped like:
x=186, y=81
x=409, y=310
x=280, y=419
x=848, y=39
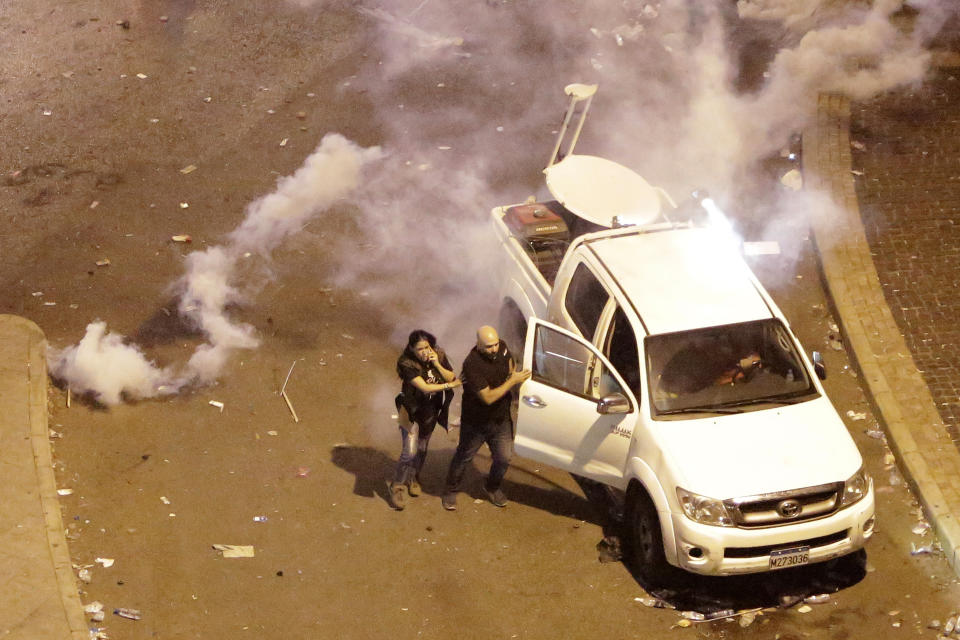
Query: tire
x=513, y=329
x=646, y=541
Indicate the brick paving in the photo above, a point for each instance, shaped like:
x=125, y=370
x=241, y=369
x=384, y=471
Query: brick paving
x=902, y=401
x=907, y=146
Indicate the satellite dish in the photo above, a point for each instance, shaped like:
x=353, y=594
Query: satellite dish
x=599, y=190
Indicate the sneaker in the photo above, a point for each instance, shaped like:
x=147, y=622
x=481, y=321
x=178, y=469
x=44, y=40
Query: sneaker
x=496, y=497
x=413, y=488
x=397, y=498
x=449, y=501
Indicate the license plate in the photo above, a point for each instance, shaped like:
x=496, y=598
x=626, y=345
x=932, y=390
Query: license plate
x=792, y=557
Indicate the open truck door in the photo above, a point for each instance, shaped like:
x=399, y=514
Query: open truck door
x=575, y=412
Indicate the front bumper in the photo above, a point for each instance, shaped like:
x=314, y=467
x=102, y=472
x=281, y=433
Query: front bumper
x=721, y=551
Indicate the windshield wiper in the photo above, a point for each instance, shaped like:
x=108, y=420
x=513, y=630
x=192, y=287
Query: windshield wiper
x=723, y=410
x=766, y=400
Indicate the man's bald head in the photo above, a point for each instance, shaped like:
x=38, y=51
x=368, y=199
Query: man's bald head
x=488, y=342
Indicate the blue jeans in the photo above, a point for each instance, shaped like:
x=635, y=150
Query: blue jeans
x=414, y=442
x=499, y=437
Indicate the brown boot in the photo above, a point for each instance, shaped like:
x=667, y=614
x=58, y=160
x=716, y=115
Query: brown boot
x=398, y=499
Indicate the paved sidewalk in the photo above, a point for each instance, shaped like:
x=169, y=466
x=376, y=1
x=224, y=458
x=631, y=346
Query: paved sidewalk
x=40, y=600
x=898, y=391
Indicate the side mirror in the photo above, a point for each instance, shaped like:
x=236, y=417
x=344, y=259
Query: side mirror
x=613, y=403
x=818, y=367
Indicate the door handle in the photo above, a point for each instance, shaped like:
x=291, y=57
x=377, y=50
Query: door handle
x=534, y=401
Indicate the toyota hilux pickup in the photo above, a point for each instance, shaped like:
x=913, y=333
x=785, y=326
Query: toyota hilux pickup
x=662, y=369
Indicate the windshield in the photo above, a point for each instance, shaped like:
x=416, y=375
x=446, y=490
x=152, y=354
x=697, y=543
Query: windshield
x=725, y=369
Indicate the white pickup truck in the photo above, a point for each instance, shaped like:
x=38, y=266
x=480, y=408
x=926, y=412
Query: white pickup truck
x=663, y=369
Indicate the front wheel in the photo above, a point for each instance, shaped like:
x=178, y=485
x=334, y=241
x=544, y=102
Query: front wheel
x=646, y=541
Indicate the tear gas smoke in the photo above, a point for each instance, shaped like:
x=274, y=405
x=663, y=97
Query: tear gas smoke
x=471, y=92
x=107, y=366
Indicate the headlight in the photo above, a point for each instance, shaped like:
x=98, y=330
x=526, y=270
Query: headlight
x=855, y=488
x=703, y=510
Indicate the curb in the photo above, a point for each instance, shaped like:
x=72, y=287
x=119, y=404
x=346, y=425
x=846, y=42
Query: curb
x=896, y=390
x=46, y=480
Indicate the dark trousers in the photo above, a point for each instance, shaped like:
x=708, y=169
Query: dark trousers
x=498, y=436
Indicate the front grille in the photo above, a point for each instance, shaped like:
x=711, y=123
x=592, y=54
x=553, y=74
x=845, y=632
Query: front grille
x=785, y=507
x=759, y=552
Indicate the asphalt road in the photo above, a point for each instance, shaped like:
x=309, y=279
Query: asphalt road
x=244, y=92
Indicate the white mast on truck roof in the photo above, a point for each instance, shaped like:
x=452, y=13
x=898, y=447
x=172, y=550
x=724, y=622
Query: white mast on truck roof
x=593, y=188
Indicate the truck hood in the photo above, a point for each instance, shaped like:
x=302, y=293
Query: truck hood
x=756, y=452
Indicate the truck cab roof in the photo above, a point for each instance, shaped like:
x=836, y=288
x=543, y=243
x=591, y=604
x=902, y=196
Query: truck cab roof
x=680, y=278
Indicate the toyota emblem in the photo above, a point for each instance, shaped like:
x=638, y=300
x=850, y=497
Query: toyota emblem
x=788, y=509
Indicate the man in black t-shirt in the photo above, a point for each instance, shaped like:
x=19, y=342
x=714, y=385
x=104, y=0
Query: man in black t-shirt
x=489, y=373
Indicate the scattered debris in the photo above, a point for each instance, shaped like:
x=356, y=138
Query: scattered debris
x=103, y=263
x=142, y=76
x=722, y=613
x=105, y=562
x=84, y=575
x=857, y=415
x=922, y=528
x=950, y=626
x=184, y=205
x=747, y=618
x=820, y=598
x=95, y=611
x=922, y=550
x=876, y=434
x=834, y=340
x=94, y=204
x=235, y=550
x=271, y=433
x=182, y=238
x=283, y=142
x=804, y=608
x=761, y=248
x=217, y=404
x=259, y=518
x=859, y=146
x=609, y=549
x=696, y=616
x=787, y=600
x=130, y=614
x=190, y=168
x=64, y=492
x=856, y=172
x=792, y=180
x=303, y=472
x=283, y=393
x=93, y=607
x=164, y=500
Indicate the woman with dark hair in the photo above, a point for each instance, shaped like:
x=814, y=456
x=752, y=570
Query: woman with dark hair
x=424, y=400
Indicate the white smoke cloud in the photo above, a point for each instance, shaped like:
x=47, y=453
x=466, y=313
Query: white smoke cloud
x=470, y=96
x=111, y=369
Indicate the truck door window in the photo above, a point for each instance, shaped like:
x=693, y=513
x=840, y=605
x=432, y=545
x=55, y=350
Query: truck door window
x=585, y=300
x=621, y=350
x=565, y=363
